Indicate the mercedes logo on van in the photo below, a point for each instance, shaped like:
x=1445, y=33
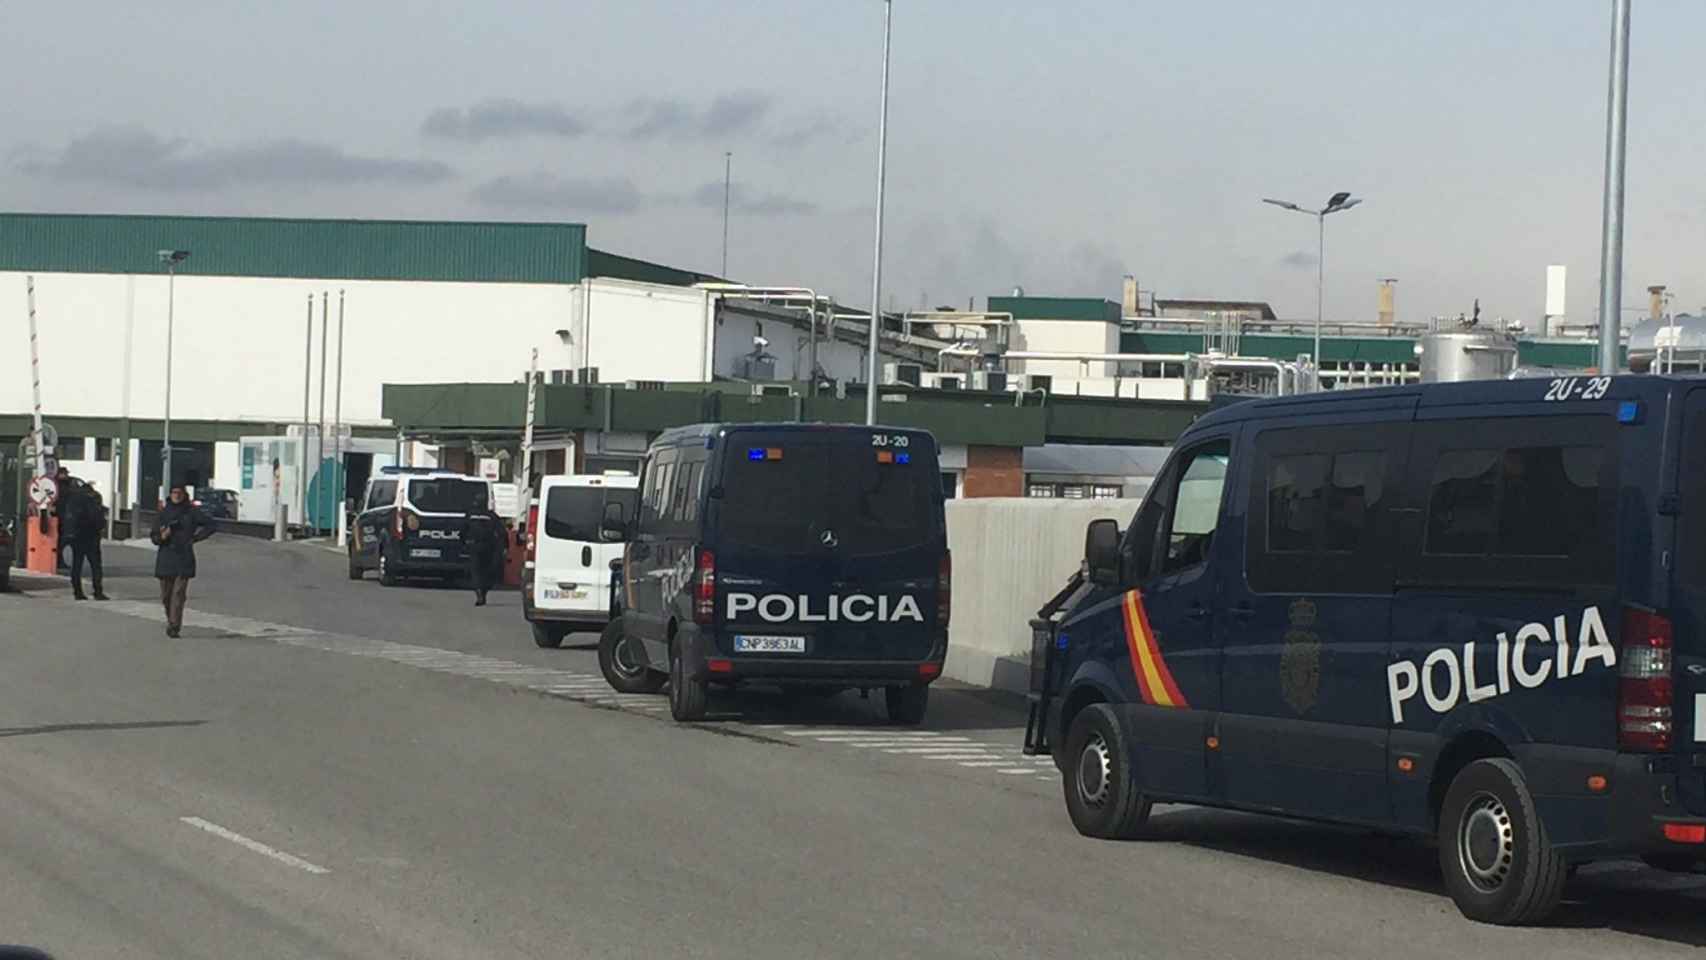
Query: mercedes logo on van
x=827, y=538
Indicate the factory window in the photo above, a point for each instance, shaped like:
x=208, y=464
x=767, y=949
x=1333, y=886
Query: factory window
x=104, y=450
x=70, y=448
x=1104, y=491
x=1045, y=490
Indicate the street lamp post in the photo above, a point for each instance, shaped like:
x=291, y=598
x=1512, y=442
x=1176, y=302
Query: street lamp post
x=171, y=258
x=1339, y=201
x=1611, y=222
x=877, y=257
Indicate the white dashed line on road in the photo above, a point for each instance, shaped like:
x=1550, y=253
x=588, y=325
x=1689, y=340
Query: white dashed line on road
x=254, y=845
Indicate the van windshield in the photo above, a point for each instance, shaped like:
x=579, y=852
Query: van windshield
x=576, y=513
x=796, y=497
x=447, y=495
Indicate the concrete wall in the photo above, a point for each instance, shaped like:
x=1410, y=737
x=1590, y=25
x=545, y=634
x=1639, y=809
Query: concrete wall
x=1010, y=557
x=1065, y=336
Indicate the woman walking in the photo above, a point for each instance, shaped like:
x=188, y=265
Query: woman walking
x=180, y=526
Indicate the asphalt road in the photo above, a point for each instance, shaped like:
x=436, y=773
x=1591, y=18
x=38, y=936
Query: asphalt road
x=323, y=768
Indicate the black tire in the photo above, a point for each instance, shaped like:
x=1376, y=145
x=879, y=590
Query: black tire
x=548, y=635
x=355, y=571
x=1499, y=866
x=686, y=695
x=5, y=574
x=1103, y=797
x=621, y=668
x=386, y=577
x=906, y=704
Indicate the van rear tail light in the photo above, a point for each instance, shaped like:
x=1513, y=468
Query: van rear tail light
x=944, y=589
x=1644, y=690
x=532, y=532
x=705, y=587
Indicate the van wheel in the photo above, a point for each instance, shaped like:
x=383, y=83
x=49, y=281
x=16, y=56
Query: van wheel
x=622, y=669
x=386, y=577
x=548, y=636
x=906, y=705
x=1102, y=794
x=686, y=695
x=1499, y=866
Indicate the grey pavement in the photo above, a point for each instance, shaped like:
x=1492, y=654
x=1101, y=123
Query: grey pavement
x=325, y=768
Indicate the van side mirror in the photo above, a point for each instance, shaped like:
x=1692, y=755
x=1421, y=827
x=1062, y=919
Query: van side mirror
x=614, y=528
x=1102, y=552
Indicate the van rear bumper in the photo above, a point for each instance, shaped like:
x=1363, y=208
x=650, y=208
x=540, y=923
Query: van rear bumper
x=1628, y=819
x=874, y=673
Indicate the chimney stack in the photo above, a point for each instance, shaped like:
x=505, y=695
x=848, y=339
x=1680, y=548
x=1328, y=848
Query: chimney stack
x=1656, y=302
x=1388, y=298
x=1128, y=297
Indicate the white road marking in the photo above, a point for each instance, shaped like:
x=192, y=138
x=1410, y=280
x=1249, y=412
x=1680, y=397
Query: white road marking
x=254, y=845
x=1014, y=770
x=990, y=763
x=950, y=748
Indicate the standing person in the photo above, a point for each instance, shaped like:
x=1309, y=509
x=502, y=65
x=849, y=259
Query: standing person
x=180, y=526
x=84, y=519
x=483, y=537
x=64, y=485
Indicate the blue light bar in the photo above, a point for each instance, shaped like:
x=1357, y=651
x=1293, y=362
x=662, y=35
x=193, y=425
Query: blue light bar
x=903, y=458
x=1629, y=411
x=755, y=453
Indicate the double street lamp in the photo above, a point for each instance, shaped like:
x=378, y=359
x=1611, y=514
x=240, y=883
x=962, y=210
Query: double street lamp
x=171, y=258
x=1337, y=202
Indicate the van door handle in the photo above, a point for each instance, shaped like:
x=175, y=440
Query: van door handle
x=1243, y=611
x=1197, y=613
x=586, y=556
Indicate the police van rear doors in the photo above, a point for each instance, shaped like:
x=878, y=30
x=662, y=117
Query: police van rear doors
x=1686, y=615
x=830, y=544
x=434, y=511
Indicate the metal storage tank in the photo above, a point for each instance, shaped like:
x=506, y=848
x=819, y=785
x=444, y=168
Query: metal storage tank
x=1465, y=355
x=1678, y=343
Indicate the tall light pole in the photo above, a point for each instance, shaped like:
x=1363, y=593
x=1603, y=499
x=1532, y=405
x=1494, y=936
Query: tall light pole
x=171, y=258
x=1337, y=202
x=877, y=257
x=1611, y=221
x=728, y=167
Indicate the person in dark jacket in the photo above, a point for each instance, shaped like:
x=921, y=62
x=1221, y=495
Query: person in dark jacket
x=484, y=538
x=83, y=518
x=64, y=485
x=180, y=526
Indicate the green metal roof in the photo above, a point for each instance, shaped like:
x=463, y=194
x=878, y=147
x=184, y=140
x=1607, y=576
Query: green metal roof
x=17, y=425
x=319, y=249
x=1057, y=308
x=602, y=264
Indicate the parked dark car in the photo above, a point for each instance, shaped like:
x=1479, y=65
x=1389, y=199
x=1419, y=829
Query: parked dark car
x=217, y=504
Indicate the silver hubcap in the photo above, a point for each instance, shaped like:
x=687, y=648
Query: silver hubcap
x=1486, y=843
x=1095, y=772
x=623, y=660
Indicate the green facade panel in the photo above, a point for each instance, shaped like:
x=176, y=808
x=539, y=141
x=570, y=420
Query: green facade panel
x=319, y=249
x=1539, y=353
x=1279, y=347
x=1057, y=308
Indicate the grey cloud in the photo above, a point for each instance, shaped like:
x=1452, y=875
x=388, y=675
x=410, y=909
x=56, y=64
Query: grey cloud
x=501, y=119
x=551, y=192
x=728, y=115
x=742, y=201
x=805, y=132
x=1298, y=259
x=132, y=156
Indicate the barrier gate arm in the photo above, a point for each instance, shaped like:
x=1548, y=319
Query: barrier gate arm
x=1045, y=655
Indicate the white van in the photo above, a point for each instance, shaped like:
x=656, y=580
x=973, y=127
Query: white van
x=565, y=581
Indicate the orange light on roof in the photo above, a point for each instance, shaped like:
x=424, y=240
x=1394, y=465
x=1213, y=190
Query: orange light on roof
x=772, y=453
x=885, y=456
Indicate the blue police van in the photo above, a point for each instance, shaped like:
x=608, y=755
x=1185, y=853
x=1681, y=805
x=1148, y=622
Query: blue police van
x=810, y=556
x=1465, y=611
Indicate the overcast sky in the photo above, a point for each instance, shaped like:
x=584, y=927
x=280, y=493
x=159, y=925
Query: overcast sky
x=1055, y=145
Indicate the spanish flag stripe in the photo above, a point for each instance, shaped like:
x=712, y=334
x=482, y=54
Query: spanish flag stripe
x=1168, y=684
x=1132, y=644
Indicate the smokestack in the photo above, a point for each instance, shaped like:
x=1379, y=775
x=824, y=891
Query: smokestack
x=1556, y=286
x=1128, y=296
x=1656, y=302
x=1388, y=299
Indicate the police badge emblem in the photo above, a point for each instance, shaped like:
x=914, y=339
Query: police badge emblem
x=1300, y=662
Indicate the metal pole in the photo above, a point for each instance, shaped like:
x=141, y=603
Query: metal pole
x=1320, y=287
x=320, y=441
x=728, y=166
x=302, y=455
x=811, y=355
x=121, y=457
x=339, y=484
x=1611, y=224
x=527, y=426
x=877, y=256
x=166, y=425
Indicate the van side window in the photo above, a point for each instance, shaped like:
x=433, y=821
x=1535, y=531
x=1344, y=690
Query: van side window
x=1196, y=508
x=654, y=503
x=1317, y=508
x=684, y=501
x=1513, y=502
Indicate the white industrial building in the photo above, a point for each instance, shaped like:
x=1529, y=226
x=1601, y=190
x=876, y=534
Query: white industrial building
x=255, y=311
